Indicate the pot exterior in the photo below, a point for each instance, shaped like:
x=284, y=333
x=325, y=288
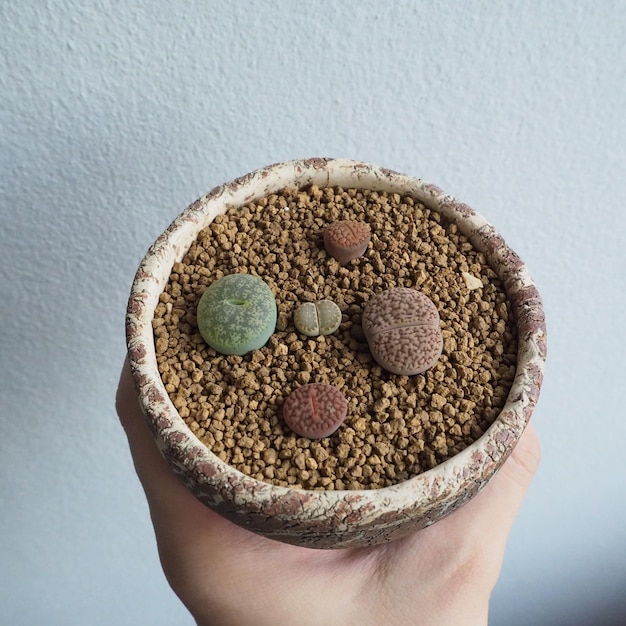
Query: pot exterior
x=332, y=519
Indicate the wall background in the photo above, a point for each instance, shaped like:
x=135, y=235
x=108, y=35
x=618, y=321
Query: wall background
x=116, y=115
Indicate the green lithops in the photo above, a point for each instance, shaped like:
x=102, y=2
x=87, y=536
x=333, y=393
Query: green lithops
x=317, y=318
x=237, y=314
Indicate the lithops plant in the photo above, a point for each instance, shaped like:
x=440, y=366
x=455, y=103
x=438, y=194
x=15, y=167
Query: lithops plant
x=317, y=318
x=315, y=410
x=346, y=240
x=401, y=326
x=237, y=314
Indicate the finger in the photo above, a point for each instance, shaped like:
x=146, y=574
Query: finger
x=502, y=498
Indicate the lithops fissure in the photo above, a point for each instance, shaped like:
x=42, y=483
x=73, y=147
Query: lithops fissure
x=317, y=318
x=401, y=326
x=237, y=314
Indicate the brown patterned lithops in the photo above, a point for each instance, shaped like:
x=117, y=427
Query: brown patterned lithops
x=346, y=240
x=317, y=318
x=401, y=326
x=315, y=410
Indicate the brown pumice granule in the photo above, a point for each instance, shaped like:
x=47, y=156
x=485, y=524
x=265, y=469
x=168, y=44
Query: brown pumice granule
x=397, y=426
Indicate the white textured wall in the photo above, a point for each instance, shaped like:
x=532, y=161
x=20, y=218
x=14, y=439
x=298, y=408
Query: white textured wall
x=115, y=115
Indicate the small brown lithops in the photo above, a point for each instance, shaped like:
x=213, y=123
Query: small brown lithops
x=401, y=326
x=346, y=240
x=315, y=410
x=317, y=318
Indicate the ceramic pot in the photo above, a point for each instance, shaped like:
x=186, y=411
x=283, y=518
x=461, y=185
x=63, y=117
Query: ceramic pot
x=332, y=519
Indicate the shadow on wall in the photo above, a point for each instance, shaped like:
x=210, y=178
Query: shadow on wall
x=608, y=613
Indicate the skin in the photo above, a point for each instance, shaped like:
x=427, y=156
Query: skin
x=442, y=575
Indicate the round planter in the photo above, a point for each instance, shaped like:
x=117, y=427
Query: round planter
x=332, y=519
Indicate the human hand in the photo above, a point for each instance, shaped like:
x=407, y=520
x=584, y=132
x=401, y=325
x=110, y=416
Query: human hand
x=226, y=575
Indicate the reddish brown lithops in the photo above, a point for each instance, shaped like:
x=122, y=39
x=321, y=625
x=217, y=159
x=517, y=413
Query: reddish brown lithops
x=401, y=326
x=346, y=240
x=315, y=410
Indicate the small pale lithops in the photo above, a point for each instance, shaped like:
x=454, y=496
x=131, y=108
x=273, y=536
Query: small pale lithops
x=346, y=240
x=237, y=314
x=316, y=410
x=401, y=326
x=317, y=318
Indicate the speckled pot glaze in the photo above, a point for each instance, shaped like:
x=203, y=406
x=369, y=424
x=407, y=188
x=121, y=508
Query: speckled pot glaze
x=332, y=519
